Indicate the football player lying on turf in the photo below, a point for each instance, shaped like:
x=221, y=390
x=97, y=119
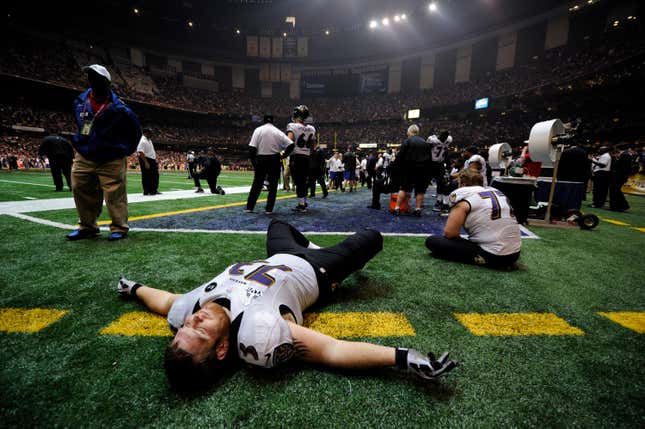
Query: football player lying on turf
x=494, y=238
x=253, y=312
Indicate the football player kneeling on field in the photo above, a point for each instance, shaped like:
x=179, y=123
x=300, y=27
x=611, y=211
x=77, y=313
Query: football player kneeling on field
x=494, y=238
x=253, y=312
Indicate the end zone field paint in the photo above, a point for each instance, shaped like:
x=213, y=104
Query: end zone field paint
x=634, y=320
x=139, y=323
x=516, y=324
x=28, y=320
x=348, y=325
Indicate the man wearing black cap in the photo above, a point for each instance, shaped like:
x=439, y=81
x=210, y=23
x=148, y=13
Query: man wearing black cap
x=108, y=132
x=267, y=142
x=60, y=155
x=148, y=163
x=210, y=168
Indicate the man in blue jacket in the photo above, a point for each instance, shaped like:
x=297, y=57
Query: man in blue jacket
x=108, y=131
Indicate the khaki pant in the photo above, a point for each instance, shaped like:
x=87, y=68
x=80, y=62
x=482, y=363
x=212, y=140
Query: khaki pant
x=91, y=182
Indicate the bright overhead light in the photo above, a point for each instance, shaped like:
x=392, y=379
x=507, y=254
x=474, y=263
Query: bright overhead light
x=327, y=32
x=373, y=23
x=397, y=18
x=136, y=11
x=433, y=7
x=404, y=17
x=237, y=31
x=190, y=24
x=284, y=34
x=385, y=21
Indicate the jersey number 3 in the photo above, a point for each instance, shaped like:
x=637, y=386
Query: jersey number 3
x=496, y=208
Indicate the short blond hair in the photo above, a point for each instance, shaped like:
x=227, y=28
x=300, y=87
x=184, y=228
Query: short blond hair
x=468, y=177
x=413, y=130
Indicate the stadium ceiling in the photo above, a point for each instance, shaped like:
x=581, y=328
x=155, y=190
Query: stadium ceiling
x=214, y=22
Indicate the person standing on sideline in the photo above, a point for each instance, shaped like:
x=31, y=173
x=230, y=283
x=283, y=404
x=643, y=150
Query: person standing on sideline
x=303, y=136
x=601, y=177
x=317, y=164
x=148, y=164
x=349, y=163
x=108, y=132
x=60, y=154
x=267, y=142
x=210, y=168
x=192, y=171
x=413, y=160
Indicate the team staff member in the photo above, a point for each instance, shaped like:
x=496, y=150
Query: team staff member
x=253, y=312
x=108, y=132
x=413, y=162
x=210, y=168
x=601, y=177
x=303, y=136
x=60, y=154
x=267, y=142
x=493, y=233
x=148, y=164
x=317, y=161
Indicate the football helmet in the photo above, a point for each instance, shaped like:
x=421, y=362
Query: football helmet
x=301, y=112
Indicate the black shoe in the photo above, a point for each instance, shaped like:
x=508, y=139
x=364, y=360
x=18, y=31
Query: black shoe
x=300, y=209
x=81, y=234
x=417, y=212
x=374, y=207
x=325, y=195
x=199, y=191
x=396, y=212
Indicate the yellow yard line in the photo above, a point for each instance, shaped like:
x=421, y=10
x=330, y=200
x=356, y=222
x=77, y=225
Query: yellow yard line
x=615, y=222
x=339, y=325
x=28, y=320
x=634, y=320
x=516, y=324
x=194, y=210
x=639, y=229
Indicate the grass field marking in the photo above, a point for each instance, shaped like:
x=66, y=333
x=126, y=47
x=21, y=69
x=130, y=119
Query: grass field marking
x=639, y=229
x=28, y=319
x=338, y=325
x=27, y=183
x=30, y=198
x=194, y=210
x=351, y=325
x=516, y=324
x=138, y=323
x=42, y=221
x=634, y=320
x=615, y=222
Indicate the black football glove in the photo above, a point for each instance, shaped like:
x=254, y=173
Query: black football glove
x=425, y=366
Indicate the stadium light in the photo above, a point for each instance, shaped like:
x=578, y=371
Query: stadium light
x=397, y=18
x=385, y=21
x=284, y=34
x=327, y=32
x=136, y=11
x=404, y=17
x=237, y=31
x=433, y=7
x=373, y=23
x=190, y=24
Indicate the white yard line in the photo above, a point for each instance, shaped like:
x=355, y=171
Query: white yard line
x=27, y=183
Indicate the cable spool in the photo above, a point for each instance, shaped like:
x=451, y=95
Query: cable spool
x=543, y=141
x=499, y=156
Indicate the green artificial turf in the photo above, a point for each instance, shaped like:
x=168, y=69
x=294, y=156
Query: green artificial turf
x=68, y=375
x=25, y=185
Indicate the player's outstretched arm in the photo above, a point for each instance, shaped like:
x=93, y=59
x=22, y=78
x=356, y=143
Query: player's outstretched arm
x=314, y=347
x=157, y=300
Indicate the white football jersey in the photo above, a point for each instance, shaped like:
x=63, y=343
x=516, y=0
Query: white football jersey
x=259, y=293
x=490, y=222
x=480, y=159
x=303, y=136
x=439, y=148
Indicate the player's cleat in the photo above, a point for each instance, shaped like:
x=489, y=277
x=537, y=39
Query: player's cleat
x=300, y=208
x=81, y=234
x=268, y=213
x=117, y=235
x=424, y=366
x=417, y=212
x=199, y=191
x=126, y=287
x=396, y=212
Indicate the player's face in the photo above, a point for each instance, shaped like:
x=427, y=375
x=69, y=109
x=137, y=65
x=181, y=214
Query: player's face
x=203, y=331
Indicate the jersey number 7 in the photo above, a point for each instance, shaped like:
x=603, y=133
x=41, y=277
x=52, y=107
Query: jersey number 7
x=496, y=209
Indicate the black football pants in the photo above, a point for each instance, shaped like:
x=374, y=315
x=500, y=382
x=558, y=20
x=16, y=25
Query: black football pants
x=465, y=251
x=331, y=264
x=299, y=165
x=266, y=166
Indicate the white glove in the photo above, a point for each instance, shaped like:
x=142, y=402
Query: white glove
x=126, y=287
x=425, y=366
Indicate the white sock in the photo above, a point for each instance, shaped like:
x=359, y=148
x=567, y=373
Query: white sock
x=301, y=201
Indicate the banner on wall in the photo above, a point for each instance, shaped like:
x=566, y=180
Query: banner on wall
x=373, y=82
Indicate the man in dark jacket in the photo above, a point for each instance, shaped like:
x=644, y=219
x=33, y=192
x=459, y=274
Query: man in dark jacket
x=413, y=161
x=60, y=154
x=621, y=169
x=108, y=131
x=317, y=171
x=210, y=168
